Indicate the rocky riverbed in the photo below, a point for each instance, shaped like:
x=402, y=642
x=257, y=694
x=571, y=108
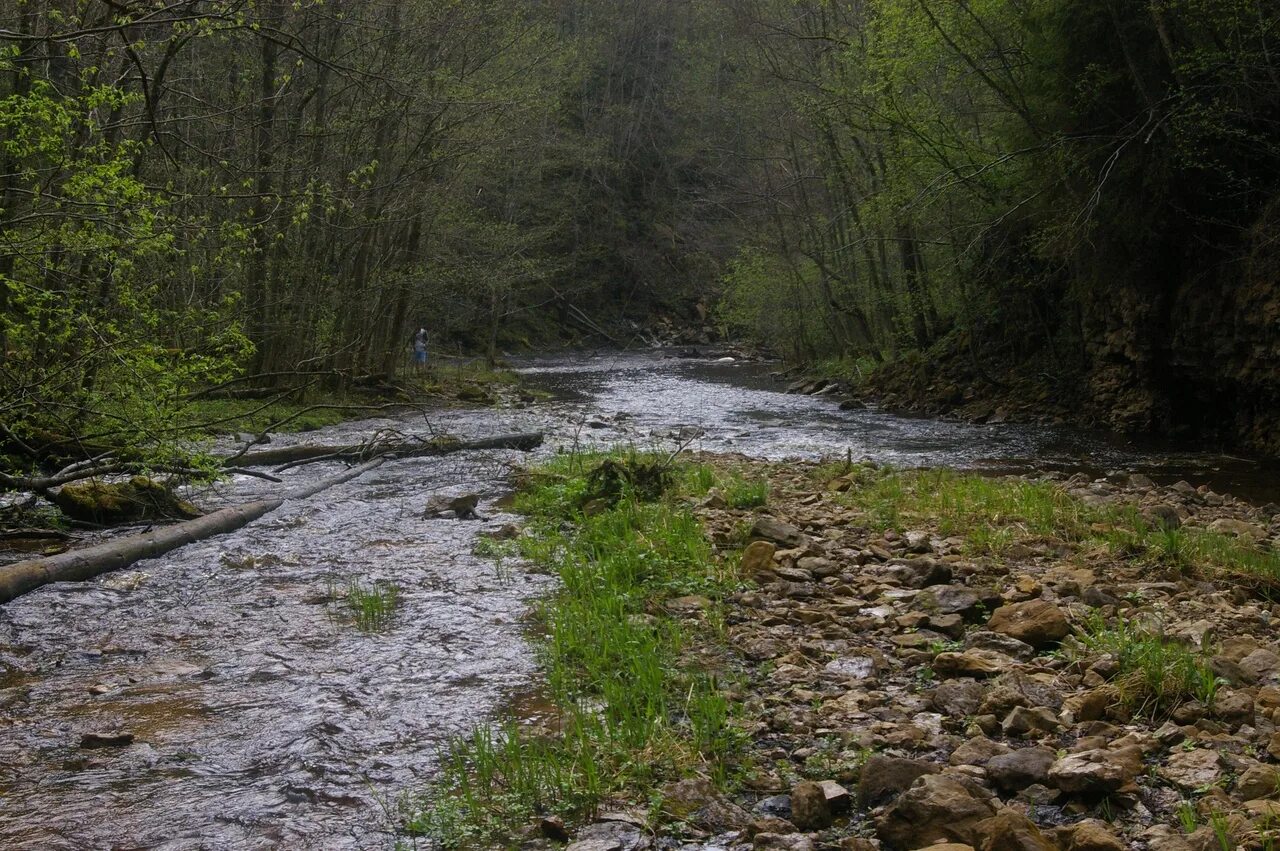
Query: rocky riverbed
x=1103, y=673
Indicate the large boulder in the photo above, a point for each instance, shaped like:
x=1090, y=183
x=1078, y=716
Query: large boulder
x=937, y=808
x=1036, y=622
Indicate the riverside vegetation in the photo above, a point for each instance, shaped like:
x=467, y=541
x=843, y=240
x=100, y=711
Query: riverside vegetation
x=862, y=658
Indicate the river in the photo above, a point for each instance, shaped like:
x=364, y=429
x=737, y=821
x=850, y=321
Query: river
x=263, y=718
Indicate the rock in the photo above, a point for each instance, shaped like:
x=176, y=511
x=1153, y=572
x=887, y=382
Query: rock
x=1010, y=830
x=1163, y=516
x=1009, y=646
x=971, y=663
x=1273, y=747
x=778, y=806
x=852, y=667
x=1239, y=528
x=936, y=808
x=1096, y=772
x=1191, y=770
x=1231, y=671
x=810, y=809
x=698, y=802
x=782, y=842
x=1089, y=835
x=958, y=698
x=107, y=503
x=783, y=534
x=950, y=600
x=1021, y=721
x=838, y=798
x=1233, y=707
x=1035, y=622
x=978, y=751
x=882, y=777
x=1259, y=781
x=109, y=739
x=1015, y=771
x=610, y=836
x=920, y=572
x=757, y=558
x=552, y=827
x=769, y=824
x=1261, y=663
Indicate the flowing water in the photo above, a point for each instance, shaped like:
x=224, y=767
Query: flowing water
x=263, y=716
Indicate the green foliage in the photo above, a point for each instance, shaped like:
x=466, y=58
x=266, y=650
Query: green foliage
x=91, y=343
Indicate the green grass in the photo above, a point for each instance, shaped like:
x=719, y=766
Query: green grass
x=633, y=715
x=991, y=514
x=1156, y=674
x=372, y=607
x=746, y=493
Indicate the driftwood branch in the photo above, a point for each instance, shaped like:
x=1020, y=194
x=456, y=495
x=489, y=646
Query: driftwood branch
x=77, y=565
x=291, y=455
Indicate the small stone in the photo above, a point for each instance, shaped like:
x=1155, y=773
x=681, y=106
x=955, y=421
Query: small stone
x=552, y=827
x=882, y=777
x=977, y=751
x=1191, y=770
x=1273, y=747
x=1010, y=830
x=1089, y=835
x=781, y=842
x=1260, y=781
x=757, y=558
x=1035, y=622
x=1009, y=646
x=1022, y=721
x=971, y=663
x=1098, y=771
x=937, y=808
x=958, y=698
x=1016, y=771
x=783, y=534
x=810, y=809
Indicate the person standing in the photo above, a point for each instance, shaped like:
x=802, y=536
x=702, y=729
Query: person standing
x=420, y=349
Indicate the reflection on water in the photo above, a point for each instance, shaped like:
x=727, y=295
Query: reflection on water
x=263, y=718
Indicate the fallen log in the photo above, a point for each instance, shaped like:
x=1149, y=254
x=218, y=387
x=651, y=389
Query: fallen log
x=78, y=565
x=395, y=448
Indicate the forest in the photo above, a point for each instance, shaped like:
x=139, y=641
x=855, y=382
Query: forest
x=1067, y=201
x=763, y=425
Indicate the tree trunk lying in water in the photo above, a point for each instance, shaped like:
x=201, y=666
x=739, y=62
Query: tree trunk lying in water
x=398, y=448
x=78, y=565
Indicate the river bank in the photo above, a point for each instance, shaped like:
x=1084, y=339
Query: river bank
x=911, y=657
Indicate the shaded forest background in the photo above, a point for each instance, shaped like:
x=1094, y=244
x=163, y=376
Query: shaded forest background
x=1071, y=201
